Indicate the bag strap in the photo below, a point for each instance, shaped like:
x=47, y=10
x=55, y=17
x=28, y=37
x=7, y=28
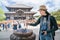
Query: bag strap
x=49, y=22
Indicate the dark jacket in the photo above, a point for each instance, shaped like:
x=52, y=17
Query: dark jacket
x=53, y=25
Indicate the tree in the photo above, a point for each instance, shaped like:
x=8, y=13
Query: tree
x=2, y=15
x=56, y=14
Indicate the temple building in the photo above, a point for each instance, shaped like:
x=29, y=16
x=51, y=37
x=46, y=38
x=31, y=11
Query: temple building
x=19, y=11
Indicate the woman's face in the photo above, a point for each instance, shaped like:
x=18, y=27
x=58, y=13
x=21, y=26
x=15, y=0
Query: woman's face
x=42, y=12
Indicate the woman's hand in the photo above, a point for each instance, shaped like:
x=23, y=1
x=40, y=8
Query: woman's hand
x=27, y=23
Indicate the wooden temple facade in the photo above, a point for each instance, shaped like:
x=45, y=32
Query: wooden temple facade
x=19, y=11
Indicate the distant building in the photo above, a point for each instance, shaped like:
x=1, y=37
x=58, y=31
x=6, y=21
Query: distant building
x=19, y=11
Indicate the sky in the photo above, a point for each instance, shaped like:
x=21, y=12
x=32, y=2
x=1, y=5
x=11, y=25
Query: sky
x=52, y=5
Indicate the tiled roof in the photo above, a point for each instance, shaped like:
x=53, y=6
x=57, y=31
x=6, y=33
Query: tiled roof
x=30, y=12
x=19, y=6
x=10, y=12
x=24, y=12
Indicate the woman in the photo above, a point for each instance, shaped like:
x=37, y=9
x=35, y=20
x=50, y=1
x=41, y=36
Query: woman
x=48, y=24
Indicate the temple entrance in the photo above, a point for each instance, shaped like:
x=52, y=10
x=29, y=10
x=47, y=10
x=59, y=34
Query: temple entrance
x=23, y=18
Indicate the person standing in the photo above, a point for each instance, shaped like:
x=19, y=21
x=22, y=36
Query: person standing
x=19, y=25
x=6, y=26
x=3, y=26
x=14, y=25
x=48, y=24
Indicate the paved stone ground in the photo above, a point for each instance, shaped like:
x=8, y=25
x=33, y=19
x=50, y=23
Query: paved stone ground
x=5, y=35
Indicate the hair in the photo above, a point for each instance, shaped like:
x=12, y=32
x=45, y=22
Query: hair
x=47, y=13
